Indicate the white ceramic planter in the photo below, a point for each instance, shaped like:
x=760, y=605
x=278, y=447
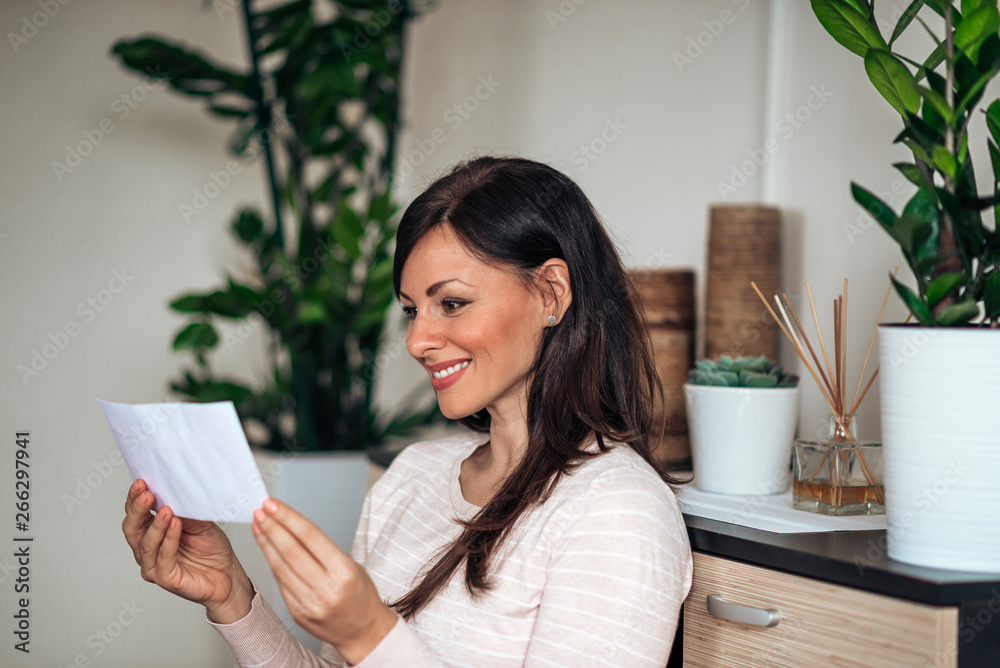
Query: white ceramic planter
x=741, y=437
x=940, y=395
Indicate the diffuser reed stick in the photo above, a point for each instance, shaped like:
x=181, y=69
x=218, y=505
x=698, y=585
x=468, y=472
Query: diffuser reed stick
x=831, y=380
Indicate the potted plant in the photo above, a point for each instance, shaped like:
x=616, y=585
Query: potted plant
x=319, y=100
x=742, y=415
x=941, y=375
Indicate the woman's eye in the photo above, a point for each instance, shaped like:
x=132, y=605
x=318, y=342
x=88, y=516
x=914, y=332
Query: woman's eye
x=449, y=306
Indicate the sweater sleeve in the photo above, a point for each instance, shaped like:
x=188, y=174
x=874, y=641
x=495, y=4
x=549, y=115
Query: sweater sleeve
x=262, y=640
x=616, y=579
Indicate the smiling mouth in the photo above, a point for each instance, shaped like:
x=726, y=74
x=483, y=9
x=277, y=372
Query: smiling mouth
x=450, y=370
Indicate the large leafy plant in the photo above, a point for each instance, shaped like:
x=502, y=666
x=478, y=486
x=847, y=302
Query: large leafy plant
x=953, y=253
x=320, y=100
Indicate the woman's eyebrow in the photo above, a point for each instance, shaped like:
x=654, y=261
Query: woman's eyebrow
x=434, y=288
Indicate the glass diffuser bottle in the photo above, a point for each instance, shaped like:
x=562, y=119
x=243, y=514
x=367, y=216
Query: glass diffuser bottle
x=838, y=475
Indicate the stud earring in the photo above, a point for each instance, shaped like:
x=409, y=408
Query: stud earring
x=552, y=320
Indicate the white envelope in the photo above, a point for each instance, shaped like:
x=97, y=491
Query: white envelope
x=194, y=457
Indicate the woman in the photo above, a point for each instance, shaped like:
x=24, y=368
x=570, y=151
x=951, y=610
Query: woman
x=554, y=541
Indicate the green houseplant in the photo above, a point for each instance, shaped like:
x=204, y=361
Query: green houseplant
x=741, y=372
x=320, y=101
x=742, y=413
x=940, y=382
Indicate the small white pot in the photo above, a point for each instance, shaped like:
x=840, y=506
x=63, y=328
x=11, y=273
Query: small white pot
x=940, y=395
x=741, y=437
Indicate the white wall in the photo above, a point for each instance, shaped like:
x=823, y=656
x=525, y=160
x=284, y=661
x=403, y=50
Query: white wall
x=557, y=84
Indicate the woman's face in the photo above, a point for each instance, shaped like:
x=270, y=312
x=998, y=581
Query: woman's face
x=462, y=311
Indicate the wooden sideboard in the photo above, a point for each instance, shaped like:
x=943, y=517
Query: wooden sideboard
x=829, y=599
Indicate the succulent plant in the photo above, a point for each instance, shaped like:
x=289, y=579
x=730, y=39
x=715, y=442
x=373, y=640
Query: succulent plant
x=741, y=372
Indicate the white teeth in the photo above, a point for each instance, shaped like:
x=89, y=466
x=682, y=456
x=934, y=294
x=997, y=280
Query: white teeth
x=450, y=370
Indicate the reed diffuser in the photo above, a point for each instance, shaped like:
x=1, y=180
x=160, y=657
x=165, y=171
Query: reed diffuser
x=837, y=474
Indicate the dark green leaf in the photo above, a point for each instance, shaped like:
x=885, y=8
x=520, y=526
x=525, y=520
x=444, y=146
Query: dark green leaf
x=919, y=153
x=382, y=208
x=848, y=26
x=913, y=302
x=937, y=101
x=310, y=312
x=944, y=283
x=975, y=27
x=916, y=177
x=972, y=5
x=879, y=210
x=994, y=159
x=345, y=237
x=226, y=111
x=197, y=335
x=993, y=120
x=944, y=161
x=248, y=226
x=186, y=71
x=893, y=80
x=958, y=314
x=991, y=294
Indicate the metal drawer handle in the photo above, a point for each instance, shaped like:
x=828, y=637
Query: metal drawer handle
x=741, y=614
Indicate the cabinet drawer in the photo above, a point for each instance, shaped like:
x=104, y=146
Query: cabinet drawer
x=820, y=624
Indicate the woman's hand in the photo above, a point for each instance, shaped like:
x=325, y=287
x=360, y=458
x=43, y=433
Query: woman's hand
x=328, y=593
x=190, y=558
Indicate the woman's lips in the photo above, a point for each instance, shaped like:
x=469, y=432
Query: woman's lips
x=444, y=383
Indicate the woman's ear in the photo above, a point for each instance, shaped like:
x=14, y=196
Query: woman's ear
x=556, y=290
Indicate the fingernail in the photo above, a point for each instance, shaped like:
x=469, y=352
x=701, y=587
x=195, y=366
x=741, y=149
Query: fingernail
x=135, y=486
x=270, y=505
x=259, y=515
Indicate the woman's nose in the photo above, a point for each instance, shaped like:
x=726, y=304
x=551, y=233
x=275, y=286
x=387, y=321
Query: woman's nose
x=423, y=335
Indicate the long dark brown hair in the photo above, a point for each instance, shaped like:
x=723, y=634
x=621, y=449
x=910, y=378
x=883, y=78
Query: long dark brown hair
x=594, y=375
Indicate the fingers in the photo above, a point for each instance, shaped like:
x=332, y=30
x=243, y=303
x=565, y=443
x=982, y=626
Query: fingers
x=288, y=581
x=292, y=557
x=166, y=558
x=149, y=546
x=300, y=526
x=137, y=515
x=286, y=552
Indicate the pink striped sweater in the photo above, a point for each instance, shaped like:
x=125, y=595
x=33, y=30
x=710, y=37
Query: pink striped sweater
x=593, y=577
